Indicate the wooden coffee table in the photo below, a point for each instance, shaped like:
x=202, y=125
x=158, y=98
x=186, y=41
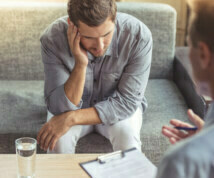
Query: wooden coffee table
x=48, y=165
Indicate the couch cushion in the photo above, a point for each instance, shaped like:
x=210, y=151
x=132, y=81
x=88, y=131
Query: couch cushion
x=22, y=107
x=164, y=103
x=22, y=112
x=21, y=27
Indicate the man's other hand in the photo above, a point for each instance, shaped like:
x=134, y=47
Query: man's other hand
x=50, y=133
x=175, y=135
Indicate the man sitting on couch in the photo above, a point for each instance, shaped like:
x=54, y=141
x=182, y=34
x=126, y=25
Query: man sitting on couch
x=97, y=64
x=193, y=157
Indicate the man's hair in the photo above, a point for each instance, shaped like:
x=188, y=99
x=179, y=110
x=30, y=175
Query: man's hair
x=91, y=12
x=202, y=22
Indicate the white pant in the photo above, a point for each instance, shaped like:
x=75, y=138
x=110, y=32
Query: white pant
x=123, y=135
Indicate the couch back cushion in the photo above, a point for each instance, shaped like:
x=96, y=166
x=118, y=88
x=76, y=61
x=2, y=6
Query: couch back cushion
x=23, y=23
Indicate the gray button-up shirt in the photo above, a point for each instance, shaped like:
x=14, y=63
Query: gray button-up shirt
x=194, y=157
x=115, y=83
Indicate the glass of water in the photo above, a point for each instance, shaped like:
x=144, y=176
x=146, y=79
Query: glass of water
x=26, y=157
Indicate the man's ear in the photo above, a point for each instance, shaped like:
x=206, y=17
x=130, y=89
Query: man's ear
x=69, y=21
x=204, y=54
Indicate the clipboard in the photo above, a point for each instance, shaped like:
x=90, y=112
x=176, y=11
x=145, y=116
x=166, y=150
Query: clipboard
x=129, y=163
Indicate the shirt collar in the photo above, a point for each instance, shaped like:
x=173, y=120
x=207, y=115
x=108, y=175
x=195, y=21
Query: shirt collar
x=112, y=49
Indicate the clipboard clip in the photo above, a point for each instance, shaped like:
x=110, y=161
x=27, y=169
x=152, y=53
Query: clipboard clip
x=111, y=156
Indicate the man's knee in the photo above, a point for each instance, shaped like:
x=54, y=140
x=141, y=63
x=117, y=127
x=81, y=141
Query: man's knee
x=124, y=138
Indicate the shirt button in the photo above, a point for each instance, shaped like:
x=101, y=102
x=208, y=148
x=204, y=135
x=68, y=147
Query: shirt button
x=95, y=80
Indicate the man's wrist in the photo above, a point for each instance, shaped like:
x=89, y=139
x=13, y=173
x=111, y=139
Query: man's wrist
x=87, y=116
x=72, y=118
x=81, y=63
x=80, y=66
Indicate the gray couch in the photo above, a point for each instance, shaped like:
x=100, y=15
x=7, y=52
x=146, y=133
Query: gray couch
x=22, y=106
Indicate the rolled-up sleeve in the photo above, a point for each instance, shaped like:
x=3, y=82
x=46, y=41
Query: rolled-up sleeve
x=56, y=74
x=132, y=84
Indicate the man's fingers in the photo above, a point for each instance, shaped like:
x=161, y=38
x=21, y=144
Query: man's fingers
x=178, y=123
x=73, y=36
x=47, y=141
x=69, y=31
x=169, y=134
x=70, y=35
x=195, y=119
x=77, y=40
x=42, y=138
x=53, y=143
x=173, y=140
x=175, y=132
x=40, y=134
x=176, y=135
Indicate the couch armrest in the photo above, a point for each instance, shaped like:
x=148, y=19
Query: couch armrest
x=183, y=79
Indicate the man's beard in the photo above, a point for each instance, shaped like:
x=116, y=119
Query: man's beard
x=100, y=55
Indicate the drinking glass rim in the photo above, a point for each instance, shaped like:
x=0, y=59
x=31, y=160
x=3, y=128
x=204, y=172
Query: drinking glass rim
x=30, y=138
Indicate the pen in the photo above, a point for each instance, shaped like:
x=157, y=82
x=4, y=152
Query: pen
x=187, y=128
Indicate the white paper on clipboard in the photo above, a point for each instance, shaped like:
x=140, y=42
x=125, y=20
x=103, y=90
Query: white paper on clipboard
x=126, y=164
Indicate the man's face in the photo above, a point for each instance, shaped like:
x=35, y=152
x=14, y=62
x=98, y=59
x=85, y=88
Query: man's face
x=96, y=39
x=194, y=53
x=200, y=73
x=194, y=60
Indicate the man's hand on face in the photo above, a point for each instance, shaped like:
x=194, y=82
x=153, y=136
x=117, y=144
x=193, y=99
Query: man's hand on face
x=79, y=53
x=50, y=133
x=175, y=135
